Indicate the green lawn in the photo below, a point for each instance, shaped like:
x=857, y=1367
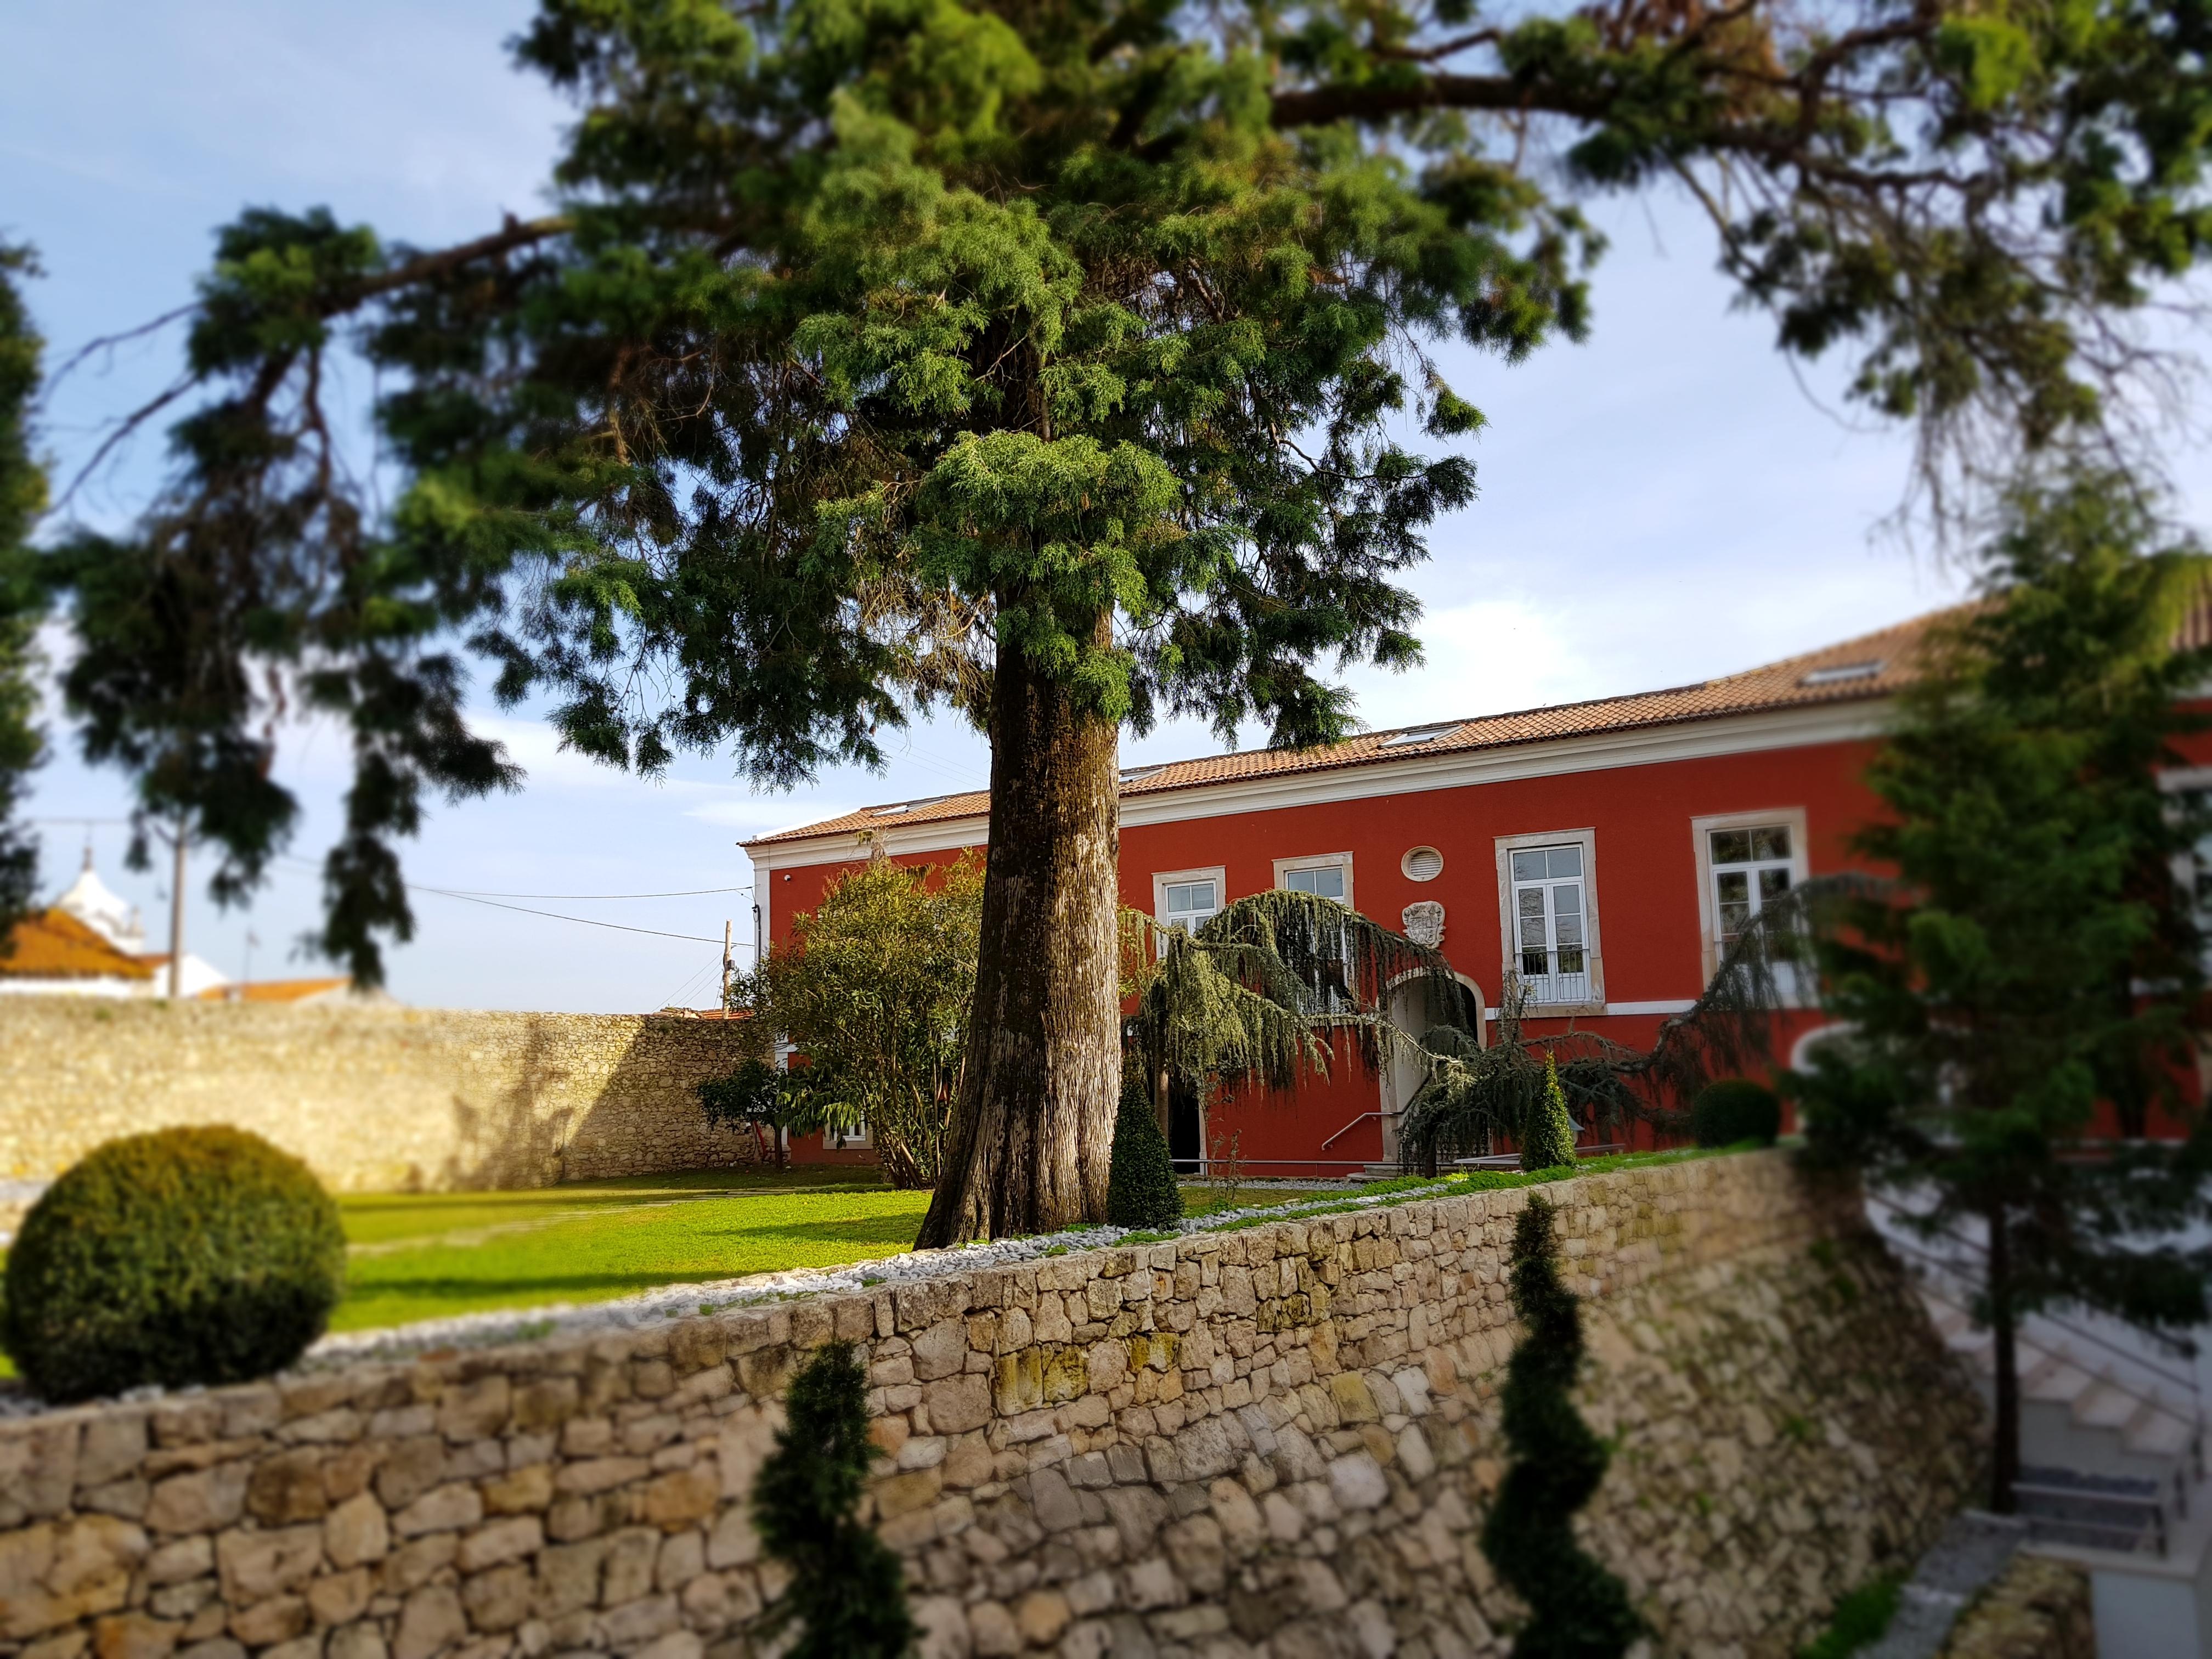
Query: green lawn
x=426, y=1255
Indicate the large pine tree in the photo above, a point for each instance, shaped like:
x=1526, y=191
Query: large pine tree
x=2024, y=998
x=1056, y=361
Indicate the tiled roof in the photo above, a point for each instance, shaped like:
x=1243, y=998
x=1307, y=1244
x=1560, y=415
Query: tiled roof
x=55, y=945
x=273, y=990
x=1857, y=670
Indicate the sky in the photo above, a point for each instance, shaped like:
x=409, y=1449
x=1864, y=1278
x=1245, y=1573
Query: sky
x=1664, y=503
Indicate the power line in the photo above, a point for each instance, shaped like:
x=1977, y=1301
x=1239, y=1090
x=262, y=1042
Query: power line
x=552, y=915
x=583, y=922
x=580, y=898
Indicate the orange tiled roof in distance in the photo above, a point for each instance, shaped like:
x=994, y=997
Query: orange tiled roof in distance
x=1856, y=670
x=55, y=945
x=273, y=990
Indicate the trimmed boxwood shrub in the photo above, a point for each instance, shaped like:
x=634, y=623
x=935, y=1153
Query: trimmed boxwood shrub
x=1577, y=1609
x=1140, y=1183
x=182, y=1256
x=1735, y=1109
x=847, y=1592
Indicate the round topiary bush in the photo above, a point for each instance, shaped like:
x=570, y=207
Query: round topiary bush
x=1140, y=1183
x=1735, y=1109
x=182, y=1256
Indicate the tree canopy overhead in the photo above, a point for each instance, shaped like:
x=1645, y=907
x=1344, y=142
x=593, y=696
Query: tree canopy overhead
x=1057, y=362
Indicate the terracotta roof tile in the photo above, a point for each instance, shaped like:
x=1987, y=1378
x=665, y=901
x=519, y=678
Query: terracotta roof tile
x=273, y=990
x=1857, y=670
x=55, y=945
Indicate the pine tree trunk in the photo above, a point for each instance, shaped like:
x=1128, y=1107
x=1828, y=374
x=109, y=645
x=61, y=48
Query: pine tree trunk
x=1032, y=1130
x=2004, y=1354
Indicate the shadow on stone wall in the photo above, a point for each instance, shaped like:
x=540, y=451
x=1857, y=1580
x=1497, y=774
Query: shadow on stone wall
x=515, y=1138
x=645, y=1118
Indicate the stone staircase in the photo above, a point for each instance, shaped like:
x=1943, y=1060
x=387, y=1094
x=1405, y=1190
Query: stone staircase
x=2106, y=1418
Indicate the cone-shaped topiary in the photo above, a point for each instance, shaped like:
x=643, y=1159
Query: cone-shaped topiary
x=1577, y=1609
x=183, y=1257
x=847, y=1592
x=1140, y=1184
x=1735, y=1109
x=1549, y=1140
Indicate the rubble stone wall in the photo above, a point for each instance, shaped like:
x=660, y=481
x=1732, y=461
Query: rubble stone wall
x=375, y=1099
x=1278, y=1441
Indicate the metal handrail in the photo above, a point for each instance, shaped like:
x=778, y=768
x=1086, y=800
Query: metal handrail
x=2149, y=1509
x=2173, y=1344
x=1344, y=1131
x=2187, y=1384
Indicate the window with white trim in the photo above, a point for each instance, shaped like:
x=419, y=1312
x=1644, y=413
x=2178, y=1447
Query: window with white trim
x=1746, y=862
x=1551, y=922
x=1186, y=898
x=1752, y=868
x=1325, y=875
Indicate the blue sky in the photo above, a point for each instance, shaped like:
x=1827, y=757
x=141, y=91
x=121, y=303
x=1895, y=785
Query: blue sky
x=1664, y=503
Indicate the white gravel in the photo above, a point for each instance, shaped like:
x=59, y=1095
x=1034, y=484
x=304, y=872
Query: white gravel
x=677, y=1301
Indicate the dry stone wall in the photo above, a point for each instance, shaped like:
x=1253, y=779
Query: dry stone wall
x=375, y=1099
x=1277, y=1441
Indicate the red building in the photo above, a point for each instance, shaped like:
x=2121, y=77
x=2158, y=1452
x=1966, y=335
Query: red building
x=1604, y=851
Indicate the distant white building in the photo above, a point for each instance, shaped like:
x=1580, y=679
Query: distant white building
x=90, y=943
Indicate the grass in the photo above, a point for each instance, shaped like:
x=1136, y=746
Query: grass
x=1860, y=1619
x=433, y=1254
x=428, y=1256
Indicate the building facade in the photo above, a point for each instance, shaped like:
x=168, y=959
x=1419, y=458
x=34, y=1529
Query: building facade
x=1602, y=853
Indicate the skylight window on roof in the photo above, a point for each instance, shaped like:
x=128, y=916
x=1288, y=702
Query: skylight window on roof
x=891, y=811
x=1420, y=734
x=1131, y=774
x=1841, y=672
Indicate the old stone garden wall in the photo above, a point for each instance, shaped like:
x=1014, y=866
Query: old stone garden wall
x=375, y=1099
x=1273, y=1442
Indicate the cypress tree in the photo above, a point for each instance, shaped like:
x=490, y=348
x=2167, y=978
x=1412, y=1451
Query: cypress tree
x=1548, y=1140
x=1141, y=1190
x=847, y=1591
x=2028, y=990
x=1577, y=1610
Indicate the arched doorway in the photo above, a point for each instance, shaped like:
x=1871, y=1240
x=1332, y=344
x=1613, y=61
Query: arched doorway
x=1409, y=1008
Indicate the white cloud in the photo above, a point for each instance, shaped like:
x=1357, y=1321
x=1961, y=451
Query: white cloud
x=1486, y=658
x=756, y=816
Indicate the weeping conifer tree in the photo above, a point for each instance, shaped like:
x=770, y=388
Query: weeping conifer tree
x=1476, y=1095
x=1276, y=987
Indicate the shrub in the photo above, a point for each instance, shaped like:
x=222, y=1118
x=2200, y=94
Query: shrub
x=1548, y=1142
x=1140, y=1184
x=1735, y=1109
x=847, y=1592
x=1577, y=1609
x=187, y=1255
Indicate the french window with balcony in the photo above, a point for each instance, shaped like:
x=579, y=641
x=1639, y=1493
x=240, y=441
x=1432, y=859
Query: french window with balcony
x=1550, y=919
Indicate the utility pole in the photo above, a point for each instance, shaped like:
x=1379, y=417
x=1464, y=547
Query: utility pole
x=726, y=965
x=177, y=919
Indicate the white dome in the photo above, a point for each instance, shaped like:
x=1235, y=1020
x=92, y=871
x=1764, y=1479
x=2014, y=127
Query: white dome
x=93, y=902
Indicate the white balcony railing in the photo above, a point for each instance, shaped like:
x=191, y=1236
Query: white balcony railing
x=1554, y=976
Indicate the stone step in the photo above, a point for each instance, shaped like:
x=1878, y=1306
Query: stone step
x=2156, y=1433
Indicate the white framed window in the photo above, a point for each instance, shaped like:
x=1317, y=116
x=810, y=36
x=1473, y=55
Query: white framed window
x=1746, y=861
x=1327, y=875
x=2191, y=789
x=1186, y=898
x=1547, y=913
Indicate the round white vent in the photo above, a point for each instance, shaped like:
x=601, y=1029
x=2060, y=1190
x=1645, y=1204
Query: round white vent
x=1422, y=864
